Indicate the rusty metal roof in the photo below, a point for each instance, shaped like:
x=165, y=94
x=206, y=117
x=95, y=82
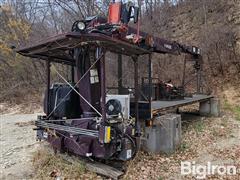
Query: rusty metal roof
x=57, y=47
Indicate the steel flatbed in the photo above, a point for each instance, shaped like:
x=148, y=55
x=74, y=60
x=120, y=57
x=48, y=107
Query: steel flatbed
x=160, y=106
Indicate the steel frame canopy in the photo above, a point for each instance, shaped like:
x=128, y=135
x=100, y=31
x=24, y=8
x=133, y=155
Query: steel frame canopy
x=57, y=47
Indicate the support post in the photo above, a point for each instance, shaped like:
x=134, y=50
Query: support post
x=150, y=82
x=184, y=72
x=72, y=74
x=103, y=85
x=48, y=65
x=136, y=95
x=198, y=81
x=120, y=74
x=198, y=67
x=210, y=107
x=164, y=135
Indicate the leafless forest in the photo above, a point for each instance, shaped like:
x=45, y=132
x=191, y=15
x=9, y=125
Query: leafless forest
x=212, y=25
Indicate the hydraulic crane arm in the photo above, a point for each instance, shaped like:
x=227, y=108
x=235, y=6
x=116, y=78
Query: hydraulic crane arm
x=160, y=45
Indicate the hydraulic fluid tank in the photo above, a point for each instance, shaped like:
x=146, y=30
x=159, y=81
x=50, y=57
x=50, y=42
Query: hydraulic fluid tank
x=114, y=13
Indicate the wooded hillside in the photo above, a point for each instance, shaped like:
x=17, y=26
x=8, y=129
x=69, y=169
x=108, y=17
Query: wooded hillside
x=212, y=25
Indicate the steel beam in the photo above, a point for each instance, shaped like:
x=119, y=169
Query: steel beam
x=184, y=72
x=72, y=74
x=69, y=129
x=150, y=81
x=120, y=85
x=48, y=65
x=198, y=81
x=136, y=95
x=103, y=84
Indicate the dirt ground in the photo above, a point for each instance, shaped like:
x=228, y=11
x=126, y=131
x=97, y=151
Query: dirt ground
x=17, y=144
x=215, y=140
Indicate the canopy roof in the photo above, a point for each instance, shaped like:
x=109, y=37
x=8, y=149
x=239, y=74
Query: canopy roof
x=57, y=48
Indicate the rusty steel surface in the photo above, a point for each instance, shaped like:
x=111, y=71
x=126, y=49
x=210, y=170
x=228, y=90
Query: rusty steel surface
x=57, y=47
x=158, y=106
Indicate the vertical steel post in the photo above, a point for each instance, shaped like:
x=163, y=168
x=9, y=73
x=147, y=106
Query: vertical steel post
x=198, y=67
x=198, y=80
x=136, y=94
x=72, y=73
x=103, y=84
x=48, y=65
x=184, y=71
x=150, y=82
x=120, y=74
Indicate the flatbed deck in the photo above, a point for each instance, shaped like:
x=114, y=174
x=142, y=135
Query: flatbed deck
x=158, y=106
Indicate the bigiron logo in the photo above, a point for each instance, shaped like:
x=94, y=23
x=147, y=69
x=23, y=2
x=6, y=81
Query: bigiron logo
x=201, y=171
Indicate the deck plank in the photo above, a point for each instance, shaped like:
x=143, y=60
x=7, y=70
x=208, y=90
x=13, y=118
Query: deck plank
x=163, y=105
